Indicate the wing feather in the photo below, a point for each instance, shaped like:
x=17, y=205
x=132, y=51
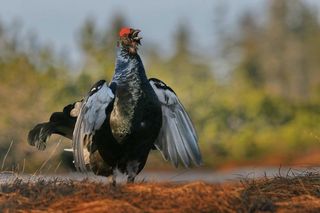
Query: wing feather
x=177, y=140
x=91, y=117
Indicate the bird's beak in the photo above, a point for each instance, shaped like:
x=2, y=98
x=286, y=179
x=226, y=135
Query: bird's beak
x=135, y=32
x=136, y=37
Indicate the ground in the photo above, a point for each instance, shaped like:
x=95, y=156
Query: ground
x=278, y=194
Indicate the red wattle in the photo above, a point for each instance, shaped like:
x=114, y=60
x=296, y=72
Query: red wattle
x=124, y=31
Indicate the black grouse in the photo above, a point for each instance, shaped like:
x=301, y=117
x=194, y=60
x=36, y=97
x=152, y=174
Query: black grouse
x=116, y=125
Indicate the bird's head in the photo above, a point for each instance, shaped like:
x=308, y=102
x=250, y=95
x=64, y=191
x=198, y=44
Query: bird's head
x=129, y=39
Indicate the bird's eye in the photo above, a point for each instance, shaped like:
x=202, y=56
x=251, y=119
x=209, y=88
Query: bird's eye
x=99, y=87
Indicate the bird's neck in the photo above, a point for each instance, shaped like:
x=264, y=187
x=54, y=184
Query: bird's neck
x=128, y=67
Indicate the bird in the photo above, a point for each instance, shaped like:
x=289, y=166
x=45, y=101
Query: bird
x=116, y=125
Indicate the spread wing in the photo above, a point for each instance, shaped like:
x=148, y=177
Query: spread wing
x=177, y=138
x=90, y=118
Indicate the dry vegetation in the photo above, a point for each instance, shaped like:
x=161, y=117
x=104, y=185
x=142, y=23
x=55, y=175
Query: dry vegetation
x=279, y=194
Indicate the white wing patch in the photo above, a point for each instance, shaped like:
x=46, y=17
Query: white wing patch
x=90, y=118
x=76, y=110
x=177, y=139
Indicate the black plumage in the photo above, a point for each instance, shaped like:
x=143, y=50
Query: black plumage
x=115, y=126
x=61, y=123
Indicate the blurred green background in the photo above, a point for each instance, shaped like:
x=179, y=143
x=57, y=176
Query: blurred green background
x=256, y=102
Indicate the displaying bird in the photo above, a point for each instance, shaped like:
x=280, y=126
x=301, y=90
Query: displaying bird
x=116, y=125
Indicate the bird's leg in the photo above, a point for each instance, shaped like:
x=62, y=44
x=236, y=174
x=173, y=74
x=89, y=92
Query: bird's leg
x=112, y=179
x=131, y=179
x=114, y=182
x=132, y=170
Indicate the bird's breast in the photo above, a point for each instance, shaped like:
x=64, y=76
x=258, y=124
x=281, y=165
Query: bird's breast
x=135, y=111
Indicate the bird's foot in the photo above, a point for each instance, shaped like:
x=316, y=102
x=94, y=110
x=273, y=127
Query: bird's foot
x=130, y=179
x=112, y=181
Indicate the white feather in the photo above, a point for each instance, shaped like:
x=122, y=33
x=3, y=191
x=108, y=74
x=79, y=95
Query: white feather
x=177, y=138
x=91, y=117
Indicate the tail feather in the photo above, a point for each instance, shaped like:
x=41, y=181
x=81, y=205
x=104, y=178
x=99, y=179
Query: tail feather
x=40, y=134
x=61, y=123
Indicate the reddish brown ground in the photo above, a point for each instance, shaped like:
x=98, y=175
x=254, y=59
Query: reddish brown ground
x=279, y=194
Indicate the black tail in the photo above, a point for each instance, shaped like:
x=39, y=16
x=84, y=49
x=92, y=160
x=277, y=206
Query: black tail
x=61, y=123
x=39, y=135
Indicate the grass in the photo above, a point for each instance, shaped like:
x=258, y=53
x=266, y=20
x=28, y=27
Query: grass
x=6, y=155
x=286, y=193
x=290, y=193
